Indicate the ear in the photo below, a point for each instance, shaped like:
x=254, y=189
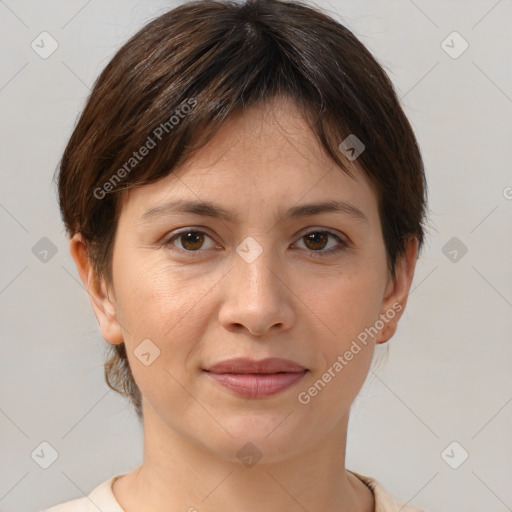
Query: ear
x=397, y=291
x=104, y=307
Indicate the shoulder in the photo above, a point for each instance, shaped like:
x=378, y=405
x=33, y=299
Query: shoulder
x=101, y=498
x=385, y=502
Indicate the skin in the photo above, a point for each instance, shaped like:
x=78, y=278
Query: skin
x=209, y=304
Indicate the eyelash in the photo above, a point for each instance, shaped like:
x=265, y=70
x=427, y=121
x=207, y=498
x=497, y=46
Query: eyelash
x=342, y=244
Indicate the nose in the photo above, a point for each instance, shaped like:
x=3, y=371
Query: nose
x=256, y=297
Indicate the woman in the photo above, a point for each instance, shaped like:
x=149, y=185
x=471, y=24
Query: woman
x=245, y=200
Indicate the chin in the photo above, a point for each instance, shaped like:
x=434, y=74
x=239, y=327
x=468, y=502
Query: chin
x=255, y=439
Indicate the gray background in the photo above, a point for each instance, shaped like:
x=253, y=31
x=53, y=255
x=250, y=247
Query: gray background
x=447, y=377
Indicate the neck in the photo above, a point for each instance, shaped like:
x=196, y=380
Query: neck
x=179, y=474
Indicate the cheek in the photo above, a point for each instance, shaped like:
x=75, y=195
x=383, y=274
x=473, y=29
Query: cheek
x=345, y=309
x=346, y=304
x=165, y=304
x=156, y=309
x=150, y=289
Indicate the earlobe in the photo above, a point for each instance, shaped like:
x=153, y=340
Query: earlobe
x=104, y=307
x=397, y=291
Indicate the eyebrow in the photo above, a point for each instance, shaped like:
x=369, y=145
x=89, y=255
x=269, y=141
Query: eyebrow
x=206, y=208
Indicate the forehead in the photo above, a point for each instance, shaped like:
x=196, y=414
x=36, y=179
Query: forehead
x=267, y=157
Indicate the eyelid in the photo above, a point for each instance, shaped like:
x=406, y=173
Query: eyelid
x=342, y=237
x=169, y=238
x=343, y=241
x=320, y=229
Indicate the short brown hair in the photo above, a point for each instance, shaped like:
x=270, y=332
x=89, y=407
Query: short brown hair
x=202, y=63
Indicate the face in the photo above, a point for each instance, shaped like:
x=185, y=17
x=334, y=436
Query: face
x=268, y=280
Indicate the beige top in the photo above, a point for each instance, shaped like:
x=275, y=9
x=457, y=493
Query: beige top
x=102, y=498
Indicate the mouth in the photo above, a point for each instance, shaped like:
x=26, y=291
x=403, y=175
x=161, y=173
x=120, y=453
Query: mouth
x=256, y=379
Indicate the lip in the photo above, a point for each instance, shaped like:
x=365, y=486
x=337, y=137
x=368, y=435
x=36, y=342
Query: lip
x=256, y=379
x=246, y=365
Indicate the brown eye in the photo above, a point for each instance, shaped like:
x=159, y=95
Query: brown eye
x=190, y=240
x=317, y=241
